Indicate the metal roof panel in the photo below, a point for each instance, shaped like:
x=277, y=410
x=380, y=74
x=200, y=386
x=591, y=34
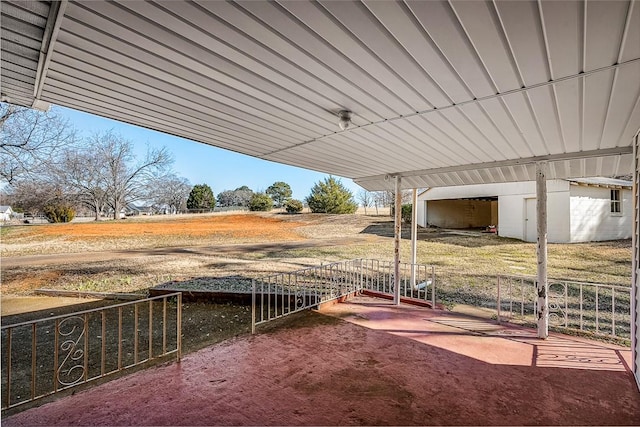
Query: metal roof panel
x=513, y=82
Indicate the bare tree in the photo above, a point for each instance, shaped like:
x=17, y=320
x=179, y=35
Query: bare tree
x=365, y=198
x=238, y=197
x=30, y=140
x=82, y=174
x=171, y=191
x=33, y=195
x=387, y=198
x=127, y=179
x=380, y=200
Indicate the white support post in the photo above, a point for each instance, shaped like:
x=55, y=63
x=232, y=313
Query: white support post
x=396, y=241
x=414, y=237
x=635, y=265
x=541, y=208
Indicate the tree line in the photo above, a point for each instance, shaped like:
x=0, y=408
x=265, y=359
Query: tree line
x=327, y=196
x=47, y=169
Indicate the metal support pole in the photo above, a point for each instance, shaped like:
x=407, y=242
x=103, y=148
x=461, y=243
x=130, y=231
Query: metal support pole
x=635, y=265
x=179, y=328
x=396, y=241
x=498, y=302
x=253, y=306
x=541, y=207
x=414, y=238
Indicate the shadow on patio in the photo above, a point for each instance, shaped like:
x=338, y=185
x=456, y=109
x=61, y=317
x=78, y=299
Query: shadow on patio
x=368, y=362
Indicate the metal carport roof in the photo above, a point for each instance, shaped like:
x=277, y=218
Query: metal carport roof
x=442, y=92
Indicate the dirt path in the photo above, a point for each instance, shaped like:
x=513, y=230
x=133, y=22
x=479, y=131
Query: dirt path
x=12, y=305
x=240, y=248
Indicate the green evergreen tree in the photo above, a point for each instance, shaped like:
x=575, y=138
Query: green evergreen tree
x=280, y=192
x=260, y=202
x=293, y=206
x=201, y=197
x=330, y=196
x=59, y=212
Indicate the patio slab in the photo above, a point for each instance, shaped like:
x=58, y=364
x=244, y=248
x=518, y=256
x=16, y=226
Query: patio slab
x=369, y=362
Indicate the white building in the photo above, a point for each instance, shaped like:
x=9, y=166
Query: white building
x=5, y=213
x=579, y=210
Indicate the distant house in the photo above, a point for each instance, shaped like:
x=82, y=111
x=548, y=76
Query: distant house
x=133, y=210
x=579, y=210
x=5, y=213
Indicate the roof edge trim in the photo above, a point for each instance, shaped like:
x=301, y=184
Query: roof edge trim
x=54, y=21
x=617, y=151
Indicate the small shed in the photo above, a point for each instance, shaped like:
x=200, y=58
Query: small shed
x=579, y=210
x=5, y=213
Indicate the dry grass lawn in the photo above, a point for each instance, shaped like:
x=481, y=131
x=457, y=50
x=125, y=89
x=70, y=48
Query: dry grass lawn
x=202, y=246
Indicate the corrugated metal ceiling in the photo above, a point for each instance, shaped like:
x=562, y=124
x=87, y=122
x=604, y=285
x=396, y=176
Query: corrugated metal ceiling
x=442, y=92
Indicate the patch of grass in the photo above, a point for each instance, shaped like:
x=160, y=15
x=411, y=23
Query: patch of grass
x=110, y=283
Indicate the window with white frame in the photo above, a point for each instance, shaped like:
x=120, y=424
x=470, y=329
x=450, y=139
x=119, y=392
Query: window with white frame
x=616, y=202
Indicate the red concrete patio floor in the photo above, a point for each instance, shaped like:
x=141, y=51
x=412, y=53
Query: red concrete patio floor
x=368, y=362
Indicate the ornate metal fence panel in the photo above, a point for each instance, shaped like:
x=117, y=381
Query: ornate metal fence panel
x=281, y=294
x=45, y=356
x=516, y=297
x=591, y=307
x=417, y=281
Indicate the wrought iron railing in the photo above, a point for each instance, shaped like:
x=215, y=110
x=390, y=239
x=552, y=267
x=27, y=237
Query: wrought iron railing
x=45, y=356
x=591, y=307
x=417, y=281
x=281, y=294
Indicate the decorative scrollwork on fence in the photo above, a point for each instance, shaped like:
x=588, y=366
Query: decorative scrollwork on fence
x=337, y=285
x=71, y=370
x=299, y=299
x=557, y=293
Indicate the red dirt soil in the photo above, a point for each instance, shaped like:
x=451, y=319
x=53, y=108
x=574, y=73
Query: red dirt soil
x=242, y=226
x=409, y=366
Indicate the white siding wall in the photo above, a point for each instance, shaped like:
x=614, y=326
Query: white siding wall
x=422, y=212
x=512, y=215
x=511, y=205
x=466, y=191
x=591, y=217
x=575, y=213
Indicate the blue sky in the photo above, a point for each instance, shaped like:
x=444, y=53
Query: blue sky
x=204, y=164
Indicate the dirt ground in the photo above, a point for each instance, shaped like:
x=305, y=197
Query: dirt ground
x=177, y=231
x=134, y=255
x=235, y=225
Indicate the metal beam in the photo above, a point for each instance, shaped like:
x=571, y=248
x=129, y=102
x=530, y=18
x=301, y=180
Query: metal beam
x=54, y=21
x=607, y=152
x=541, y=213
x=397, y=235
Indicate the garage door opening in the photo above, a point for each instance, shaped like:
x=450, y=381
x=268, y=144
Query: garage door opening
x=470, y=213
